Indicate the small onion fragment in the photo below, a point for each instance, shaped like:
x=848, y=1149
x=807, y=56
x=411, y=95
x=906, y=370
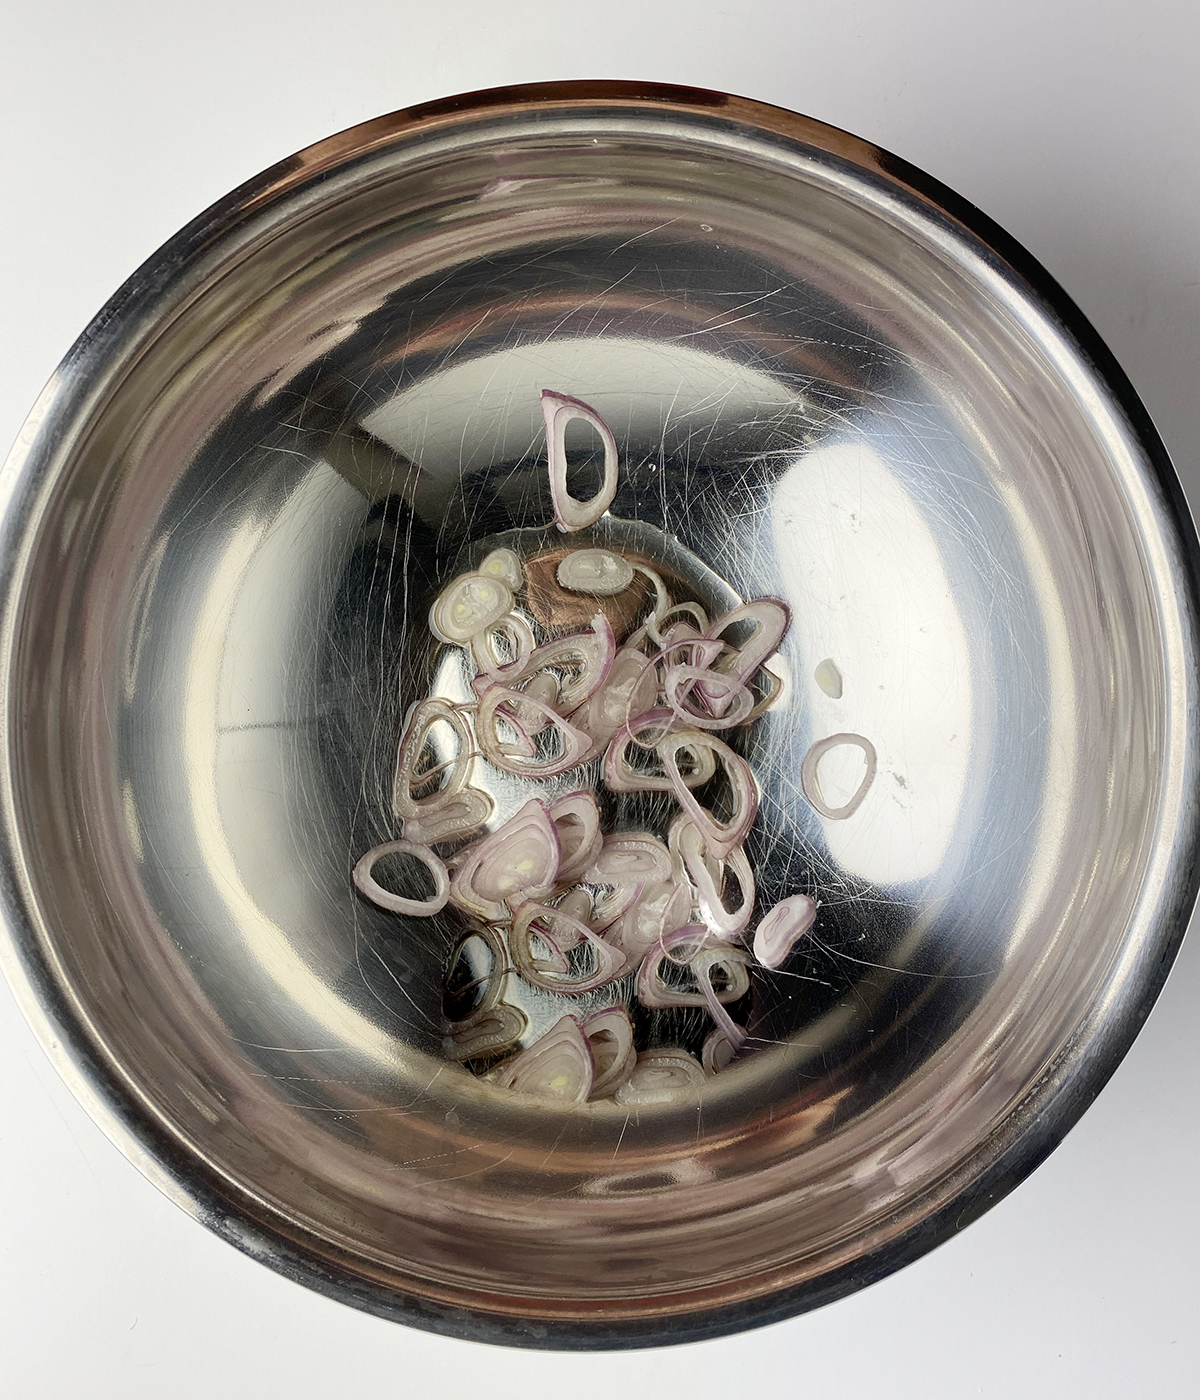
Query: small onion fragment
x=610, y=1034
x=517, y=861
x=598, y=572
x=810, y=781
x=578, y=821
x=720, y=837
x=630, y=688
x=716, y=1053
x=660, y=1076
x=395, y=903
x=571, y=514
x=708, y=874
x=485, y=1032
x=468, y=605
x=504, y=565
x=782, y=929
x=452, y=820
x=559, y=1066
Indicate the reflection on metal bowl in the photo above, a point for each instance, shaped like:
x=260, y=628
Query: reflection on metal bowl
x=831, y=381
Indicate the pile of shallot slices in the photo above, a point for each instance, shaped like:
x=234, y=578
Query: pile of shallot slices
x=556, y=899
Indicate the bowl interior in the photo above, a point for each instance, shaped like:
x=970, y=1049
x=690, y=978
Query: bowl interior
x=823, y=390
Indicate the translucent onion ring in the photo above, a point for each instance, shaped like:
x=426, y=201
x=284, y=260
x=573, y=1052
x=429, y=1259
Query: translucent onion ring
x=618, y=775
x=653, y=993
x=571, y=514
x=395, y=903
x=578, y=747
x=483, y=647
x=611, y=962
x=613, y=1065
x=688, y=840
x=420, y=720
x=771, y=619
x=811, y=783
x=720, y=837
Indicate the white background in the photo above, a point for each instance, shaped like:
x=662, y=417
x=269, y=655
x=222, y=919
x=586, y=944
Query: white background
x=1076, y=126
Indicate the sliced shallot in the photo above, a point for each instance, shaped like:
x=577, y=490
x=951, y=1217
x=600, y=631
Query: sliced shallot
x=708, y=958
x=770, y=619
x=413, y=745
x=452, y=820
x=485, y=1033
x=398, y=904
x=598, y=572
x=559, y=1066
x=660, y=1076
x=519, y=642
x=810, y=780
x=620, y=776
x=708, y=875
x=717, y=1052
x=518, y=861
x=571, y=514
x=498, y=703
x=610, y=1034
x=467, y=605
x=630, y=688
x=580, y=664
x=504, y=565
x=578, y=821
x=720, y=837
x=554, y=973
x=782, y=929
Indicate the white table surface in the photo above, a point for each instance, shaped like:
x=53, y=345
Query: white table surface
x=1074, y=123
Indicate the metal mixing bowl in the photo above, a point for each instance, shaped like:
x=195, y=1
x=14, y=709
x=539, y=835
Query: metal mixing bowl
x=831, y=380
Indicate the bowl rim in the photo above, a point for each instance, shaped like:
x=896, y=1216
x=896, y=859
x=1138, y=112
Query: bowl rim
x=1026, y=1138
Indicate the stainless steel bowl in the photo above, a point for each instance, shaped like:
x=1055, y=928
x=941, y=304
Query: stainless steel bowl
x=832, y=380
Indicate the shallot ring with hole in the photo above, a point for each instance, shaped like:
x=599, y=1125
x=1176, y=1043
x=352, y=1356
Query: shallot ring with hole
x=396, y=903
x=571, y=514
x=721, y=837
x=610, y=961
x=578, y=746
x=810, y=783
x=420, y=720
x=618, y=775
x=483, y=651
